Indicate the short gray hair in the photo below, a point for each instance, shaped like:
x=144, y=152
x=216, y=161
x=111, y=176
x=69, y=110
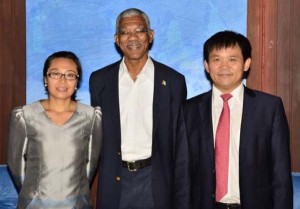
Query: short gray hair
x=130, y=13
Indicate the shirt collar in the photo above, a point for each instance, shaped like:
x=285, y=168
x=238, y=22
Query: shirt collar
x=147, y=71
x=237, y=94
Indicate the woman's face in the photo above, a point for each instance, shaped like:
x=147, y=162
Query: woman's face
x=61, y=78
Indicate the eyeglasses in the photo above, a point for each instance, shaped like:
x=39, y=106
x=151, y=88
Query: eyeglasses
x=138, y=32
x=68, y=76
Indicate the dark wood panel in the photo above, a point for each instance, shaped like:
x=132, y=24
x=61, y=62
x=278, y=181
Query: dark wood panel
x=295, y=84
x=254, y=31
x=5, y=73
x=263, y=38
x=19, y=53
x=274, y=31
x=12, y=64
x=284, y=48
x=94, y=190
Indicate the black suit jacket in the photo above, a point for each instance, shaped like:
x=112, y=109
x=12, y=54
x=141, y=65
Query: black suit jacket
x=169, y=92
x=264, y=156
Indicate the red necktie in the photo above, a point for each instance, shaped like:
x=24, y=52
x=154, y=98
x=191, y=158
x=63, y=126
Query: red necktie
x=222, y=149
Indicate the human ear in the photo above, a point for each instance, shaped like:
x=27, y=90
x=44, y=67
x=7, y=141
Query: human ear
x=247, y=64
x=206, y=66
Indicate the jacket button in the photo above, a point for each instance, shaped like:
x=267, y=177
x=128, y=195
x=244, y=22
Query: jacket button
x=118, y=178
x=119, y=153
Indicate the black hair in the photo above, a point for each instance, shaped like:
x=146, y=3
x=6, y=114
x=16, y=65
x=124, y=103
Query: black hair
x=225, y=39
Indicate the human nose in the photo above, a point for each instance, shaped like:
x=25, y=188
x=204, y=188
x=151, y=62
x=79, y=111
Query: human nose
x=224, y=63
x=133, y=34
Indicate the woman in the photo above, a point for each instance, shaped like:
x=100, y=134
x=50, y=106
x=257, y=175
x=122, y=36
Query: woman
x=54, y=144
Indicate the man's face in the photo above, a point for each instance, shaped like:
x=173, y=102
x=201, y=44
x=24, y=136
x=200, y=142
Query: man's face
x=133, y=38
x=226, y=68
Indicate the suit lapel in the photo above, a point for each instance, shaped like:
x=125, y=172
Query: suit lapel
x=206, y=121
x=247, y=121
x=112, y=98
x=158, y=98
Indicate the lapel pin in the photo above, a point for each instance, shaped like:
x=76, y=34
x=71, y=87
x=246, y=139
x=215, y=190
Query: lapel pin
x=164, y=83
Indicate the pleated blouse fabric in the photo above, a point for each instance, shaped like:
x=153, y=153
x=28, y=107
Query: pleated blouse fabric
x=53, y=165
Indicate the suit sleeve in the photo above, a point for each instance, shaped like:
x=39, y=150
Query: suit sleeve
x=95, y=144
x=93, y=90
x=182, y=180
x=281, y=169
x=17, y=144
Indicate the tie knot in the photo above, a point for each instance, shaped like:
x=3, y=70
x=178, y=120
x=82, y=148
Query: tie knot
x=226, y=97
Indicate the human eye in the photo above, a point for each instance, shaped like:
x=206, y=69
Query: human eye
x=140, y=30
x=233, y=59
x=123, y=32
x=215, y=59
x=54, y=75
x=71, y=76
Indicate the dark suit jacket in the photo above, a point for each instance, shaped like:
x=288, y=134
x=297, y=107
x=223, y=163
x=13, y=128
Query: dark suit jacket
x=169, y=92
x=264, y=156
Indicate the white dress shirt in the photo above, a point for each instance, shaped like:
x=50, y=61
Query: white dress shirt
x=136, y=112
x=236, y=109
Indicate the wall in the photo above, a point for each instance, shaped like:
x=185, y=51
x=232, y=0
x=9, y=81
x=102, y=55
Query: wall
x=274, y=31
x=12, y=64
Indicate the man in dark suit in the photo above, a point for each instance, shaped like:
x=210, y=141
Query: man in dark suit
x=254, y=171
x=140, y=100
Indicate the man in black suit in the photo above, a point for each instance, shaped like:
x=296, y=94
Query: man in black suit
x=140, y=100
x=255, y=162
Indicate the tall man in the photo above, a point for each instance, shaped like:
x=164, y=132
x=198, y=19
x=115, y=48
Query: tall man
x=140, y=100
x=233, y=142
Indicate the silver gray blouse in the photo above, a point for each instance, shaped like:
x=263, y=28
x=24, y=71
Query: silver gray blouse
x=52, y=166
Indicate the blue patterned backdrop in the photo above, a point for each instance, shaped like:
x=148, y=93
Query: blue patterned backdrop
x=87, y=27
